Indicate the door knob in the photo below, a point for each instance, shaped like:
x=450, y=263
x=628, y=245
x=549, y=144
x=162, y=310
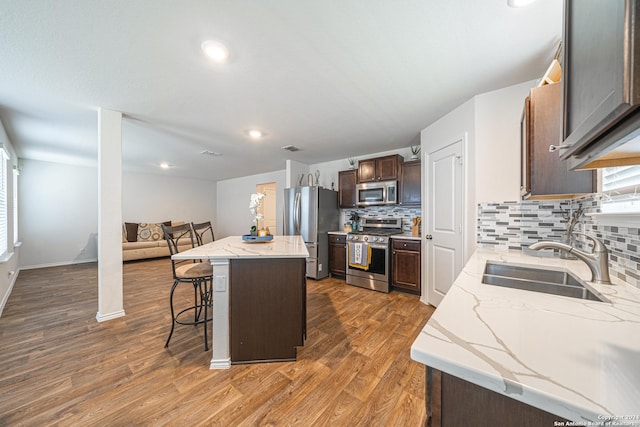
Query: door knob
x=428, y=237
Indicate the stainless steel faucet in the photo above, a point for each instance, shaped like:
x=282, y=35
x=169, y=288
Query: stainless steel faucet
x=598, y=260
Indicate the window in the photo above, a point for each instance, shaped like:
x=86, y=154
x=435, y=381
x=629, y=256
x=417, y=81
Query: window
x=4, y=156
x=16, y=172
x=621, y=185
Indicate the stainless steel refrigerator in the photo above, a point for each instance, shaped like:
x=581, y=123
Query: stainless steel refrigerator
x=311, y=212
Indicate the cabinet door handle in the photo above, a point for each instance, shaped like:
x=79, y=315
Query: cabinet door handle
x=428, y=237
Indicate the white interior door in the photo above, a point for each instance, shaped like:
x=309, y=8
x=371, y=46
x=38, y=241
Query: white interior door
x=444, y=228
x=268, y=206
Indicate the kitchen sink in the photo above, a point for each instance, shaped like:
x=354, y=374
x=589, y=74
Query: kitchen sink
x=546, y=280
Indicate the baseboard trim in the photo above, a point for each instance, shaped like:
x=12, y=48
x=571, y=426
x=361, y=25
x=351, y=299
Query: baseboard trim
x=110, y=316
x=220, y=363
x=58, y=264
x=5, y=297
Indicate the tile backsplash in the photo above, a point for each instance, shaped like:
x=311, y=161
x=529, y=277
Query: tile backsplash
x=516, y=225
x=407, y=214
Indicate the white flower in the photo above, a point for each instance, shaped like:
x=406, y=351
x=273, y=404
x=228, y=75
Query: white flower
x=254, y=204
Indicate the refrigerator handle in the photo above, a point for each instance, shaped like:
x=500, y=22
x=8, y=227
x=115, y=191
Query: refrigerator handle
x=296, y=215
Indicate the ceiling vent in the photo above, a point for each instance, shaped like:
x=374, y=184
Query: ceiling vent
x=290, y=148
x=210, y=153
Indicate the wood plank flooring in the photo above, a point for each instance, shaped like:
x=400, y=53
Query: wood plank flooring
x=59, y=366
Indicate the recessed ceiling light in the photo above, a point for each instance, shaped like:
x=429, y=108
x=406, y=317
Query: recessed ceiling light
x=255, y=134
x=519, y=3
x=165, y=165
x=215, y=51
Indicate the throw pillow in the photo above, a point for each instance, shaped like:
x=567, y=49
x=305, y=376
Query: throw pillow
x=124, y=234
x=149, y=232
x=132, y=231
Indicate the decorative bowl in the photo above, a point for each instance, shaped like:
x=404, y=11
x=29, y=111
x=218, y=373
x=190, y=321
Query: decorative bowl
x=248, y=238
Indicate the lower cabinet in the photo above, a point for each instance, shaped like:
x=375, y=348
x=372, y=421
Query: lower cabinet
x=452, y=401
x=338, y=255
x=405, y=265
x=267, y=309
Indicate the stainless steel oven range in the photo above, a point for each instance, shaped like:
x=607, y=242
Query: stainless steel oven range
x=375, y=235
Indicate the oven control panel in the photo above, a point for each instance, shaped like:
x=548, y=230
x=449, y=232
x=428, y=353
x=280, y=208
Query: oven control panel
x=368, y=239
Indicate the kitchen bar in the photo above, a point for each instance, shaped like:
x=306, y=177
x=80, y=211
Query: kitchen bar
x=259, y=298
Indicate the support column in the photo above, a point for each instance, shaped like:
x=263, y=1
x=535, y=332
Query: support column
x=220, y=358
x=110, y=294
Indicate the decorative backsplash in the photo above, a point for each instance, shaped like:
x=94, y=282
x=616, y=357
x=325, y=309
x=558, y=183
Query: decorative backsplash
x=518, y=224
x=407, y=214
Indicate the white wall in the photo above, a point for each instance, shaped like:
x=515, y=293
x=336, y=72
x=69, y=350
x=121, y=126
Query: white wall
x=59, y=208
x=497, y=136
x=9, y=266
x=159, y=198
x=233, y=216
x=58, y=213
x=293, y=172
x=491, y=122
x=445, y=131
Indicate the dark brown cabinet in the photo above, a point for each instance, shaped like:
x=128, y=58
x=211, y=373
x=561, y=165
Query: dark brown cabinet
x=545, y=175
x=452, y=401
x=410, y=183
x=347, y=188
x=406, y=265
x=267, y=309
x=601, y=80
x=379, y=169
x=338, y=255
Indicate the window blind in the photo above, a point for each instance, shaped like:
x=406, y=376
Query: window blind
x=621, y=185
x=16, y=172
x=3, y=201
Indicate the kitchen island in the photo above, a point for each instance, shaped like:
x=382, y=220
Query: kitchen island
x=259, y=298
x=494, y=352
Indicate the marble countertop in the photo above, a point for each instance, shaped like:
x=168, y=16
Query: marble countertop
x=574, y=358
x=338, y=232
x=235, y=247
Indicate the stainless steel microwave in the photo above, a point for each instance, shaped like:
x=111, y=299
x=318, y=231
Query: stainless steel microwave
x=377, y=193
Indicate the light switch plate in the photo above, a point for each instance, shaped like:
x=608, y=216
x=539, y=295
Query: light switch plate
x=220, y=283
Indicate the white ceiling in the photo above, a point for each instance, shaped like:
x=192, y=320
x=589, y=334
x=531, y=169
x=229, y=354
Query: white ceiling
x=335, y=78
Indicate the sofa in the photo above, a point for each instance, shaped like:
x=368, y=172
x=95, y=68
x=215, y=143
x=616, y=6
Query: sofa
x=145, y=240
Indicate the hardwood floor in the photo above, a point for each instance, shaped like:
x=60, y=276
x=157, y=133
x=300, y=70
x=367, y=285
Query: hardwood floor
x=59, y=366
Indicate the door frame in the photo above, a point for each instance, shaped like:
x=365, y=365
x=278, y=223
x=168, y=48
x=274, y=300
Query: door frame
x=467, y=189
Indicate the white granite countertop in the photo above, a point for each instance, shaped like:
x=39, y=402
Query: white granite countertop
x=235, y=247
x=574, y=358
x=338, y=232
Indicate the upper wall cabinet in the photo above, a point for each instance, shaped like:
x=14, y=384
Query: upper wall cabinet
x=601, y=82
x=347, y=188
x=379, y=169
x=410, y=183
x=544, y=174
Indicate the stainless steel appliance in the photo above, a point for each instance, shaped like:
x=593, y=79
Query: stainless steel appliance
x=375, y=233
x=377, y=193
x=311, y=212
